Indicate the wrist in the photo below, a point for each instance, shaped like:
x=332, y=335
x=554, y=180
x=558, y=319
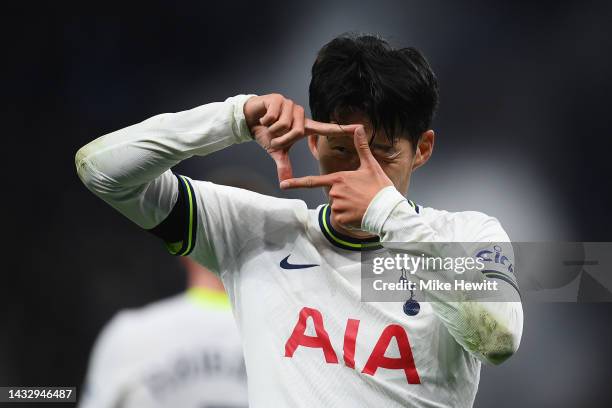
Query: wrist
x=240, y=127
x=380, y=208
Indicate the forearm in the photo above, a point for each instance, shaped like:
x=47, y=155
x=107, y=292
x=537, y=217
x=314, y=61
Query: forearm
x=489, y=328
x=129, y=168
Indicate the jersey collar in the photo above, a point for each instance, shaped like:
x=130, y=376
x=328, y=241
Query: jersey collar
x=209, y=299
x=341, y=240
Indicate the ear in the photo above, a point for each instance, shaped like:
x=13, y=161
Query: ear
x=313, y=145
x=424, y=149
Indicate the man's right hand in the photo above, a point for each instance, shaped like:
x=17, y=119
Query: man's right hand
x=276, y=123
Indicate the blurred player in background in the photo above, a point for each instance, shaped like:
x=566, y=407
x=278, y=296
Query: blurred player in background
x=184, y=351
x=293, y=274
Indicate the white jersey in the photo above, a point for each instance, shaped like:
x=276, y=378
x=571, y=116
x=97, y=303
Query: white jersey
x=184, y=351
x=294, y=282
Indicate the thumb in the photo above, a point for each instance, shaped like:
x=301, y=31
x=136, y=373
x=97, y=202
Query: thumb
x=283, y=164
x=362, y=146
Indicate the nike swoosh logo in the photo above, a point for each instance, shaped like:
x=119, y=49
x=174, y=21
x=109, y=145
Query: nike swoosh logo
x=286, y=265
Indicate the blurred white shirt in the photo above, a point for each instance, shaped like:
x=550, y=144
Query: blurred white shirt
x=184, y=351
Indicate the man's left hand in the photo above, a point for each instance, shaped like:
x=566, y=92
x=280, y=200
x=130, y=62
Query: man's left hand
x=351, y=192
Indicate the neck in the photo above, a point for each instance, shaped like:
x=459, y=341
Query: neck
x=200, y=278
x=359, y=234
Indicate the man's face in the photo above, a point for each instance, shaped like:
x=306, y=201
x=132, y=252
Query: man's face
x=338, y=153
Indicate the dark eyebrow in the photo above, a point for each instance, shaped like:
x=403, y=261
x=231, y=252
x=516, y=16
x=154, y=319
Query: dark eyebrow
x=382, y=146
x=346, y=141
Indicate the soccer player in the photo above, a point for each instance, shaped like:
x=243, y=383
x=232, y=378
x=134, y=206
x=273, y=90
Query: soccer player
x=184, y=351
x=293, y=273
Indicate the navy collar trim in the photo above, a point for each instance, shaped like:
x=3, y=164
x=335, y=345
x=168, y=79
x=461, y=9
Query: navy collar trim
x=341, y=240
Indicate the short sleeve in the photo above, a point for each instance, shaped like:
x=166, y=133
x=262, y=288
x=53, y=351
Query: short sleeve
x=179, y=229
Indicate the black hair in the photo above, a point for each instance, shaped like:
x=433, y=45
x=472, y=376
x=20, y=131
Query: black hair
x=395, y=88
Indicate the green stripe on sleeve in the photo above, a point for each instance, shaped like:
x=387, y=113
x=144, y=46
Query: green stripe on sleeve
x=191, y=216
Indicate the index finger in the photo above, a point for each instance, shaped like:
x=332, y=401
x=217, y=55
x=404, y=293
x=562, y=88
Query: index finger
x=308, y=181
x=312, y=127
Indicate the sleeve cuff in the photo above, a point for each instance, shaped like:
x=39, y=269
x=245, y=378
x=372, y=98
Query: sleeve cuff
x=239, y=125
x=380, y=208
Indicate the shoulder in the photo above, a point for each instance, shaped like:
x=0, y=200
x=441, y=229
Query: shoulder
x=231, y=198
x=128, y=343
x=465, y=226
x=129, y=326
x=153, y=314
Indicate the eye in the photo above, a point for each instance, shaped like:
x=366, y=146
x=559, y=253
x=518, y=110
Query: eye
x=340, y=149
